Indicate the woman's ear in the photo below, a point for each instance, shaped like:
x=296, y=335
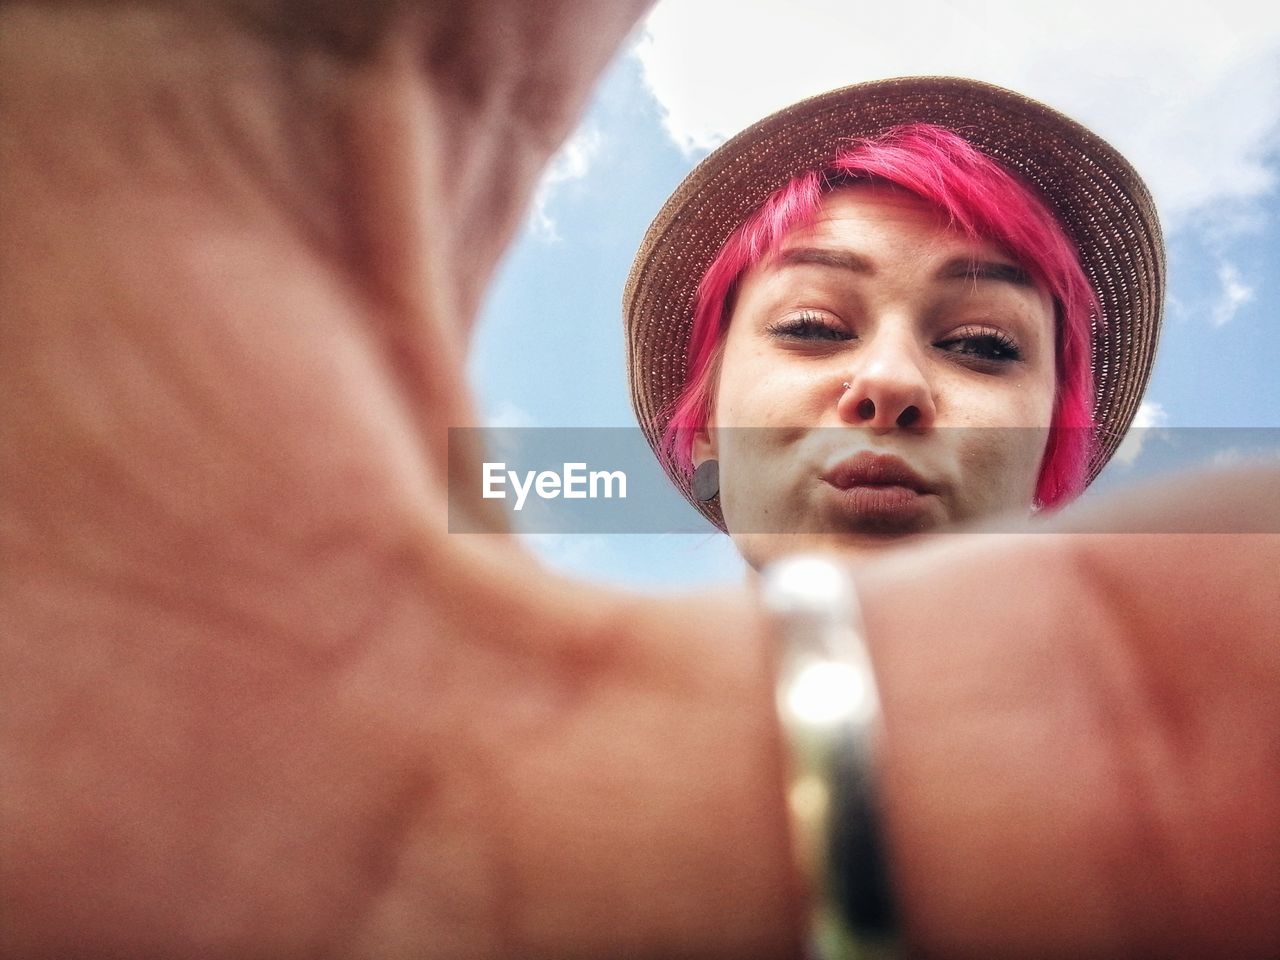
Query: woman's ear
x=704, y=445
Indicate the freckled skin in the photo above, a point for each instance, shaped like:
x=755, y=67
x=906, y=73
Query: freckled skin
x=903, y=338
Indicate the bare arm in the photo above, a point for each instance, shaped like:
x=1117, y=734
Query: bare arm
x=256, y=700
x=1084, y=751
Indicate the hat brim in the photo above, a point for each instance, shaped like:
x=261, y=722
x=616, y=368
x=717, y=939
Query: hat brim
x=1095, y=193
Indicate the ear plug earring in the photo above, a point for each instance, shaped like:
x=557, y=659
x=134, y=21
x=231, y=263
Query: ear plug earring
x=706, y=480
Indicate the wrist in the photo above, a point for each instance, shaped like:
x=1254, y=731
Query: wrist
x=998, y=784
x=651, y=820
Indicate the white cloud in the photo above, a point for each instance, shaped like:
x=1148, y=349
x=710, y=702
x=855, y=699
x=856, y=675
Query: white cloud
x=507, y=415
x=1235, y=293
x=503, y=437
x=1188, y=91
x=571, y=162
x=1150, y=416
x=1235, y=457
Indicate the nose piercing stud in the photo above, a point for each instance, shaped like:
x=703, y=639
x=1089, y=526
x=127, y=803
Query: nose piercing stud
x=845, y=384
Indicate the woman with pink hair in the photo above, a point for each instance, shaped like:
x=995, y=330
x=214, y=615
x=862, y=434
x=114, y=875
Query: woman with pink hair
x=914, y=284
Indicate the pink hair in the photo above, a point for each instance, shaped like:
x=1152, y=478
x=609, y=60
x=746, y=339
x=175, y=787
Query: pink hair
x=984, y=201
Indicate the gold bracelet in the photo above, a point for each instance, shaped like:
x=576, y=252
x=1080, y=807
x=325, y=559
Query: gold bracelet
x=829, y=710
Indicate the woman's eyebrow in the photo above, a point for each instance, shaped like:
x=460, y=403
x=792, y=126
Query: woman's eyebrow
x=826, y=257
x=965, y=268
x=959, y=268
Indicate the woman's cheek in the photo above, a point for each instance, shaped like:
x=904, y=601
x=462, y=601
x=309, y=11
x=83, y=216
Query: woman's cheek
x=1002, y=466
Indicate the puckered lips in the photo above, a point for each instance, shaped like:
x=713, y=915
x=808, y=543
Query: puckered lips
x=882, y=490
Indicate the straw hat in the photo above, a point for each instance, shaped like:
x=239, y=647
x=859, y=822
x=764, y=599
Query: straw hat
x=1094, y=192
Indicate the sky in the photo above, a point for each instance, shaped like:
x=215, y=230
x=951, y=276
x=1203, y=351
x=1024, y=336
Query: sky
x=1189, y=93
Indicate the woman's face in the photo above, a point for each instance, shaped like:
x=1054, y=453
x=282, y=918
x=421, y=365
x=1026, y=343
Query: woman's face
x=947, y=348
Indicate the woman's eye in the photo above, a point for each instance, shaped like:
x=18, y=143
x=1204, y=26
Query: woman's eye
x=983, y=345
x=809, y=326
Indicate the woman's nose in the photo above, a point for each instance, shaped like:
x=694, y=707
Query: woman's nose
x=888, y=388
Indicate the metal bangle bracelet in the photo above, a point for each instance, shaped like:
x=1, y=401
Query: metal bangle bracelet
x=829, y=710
